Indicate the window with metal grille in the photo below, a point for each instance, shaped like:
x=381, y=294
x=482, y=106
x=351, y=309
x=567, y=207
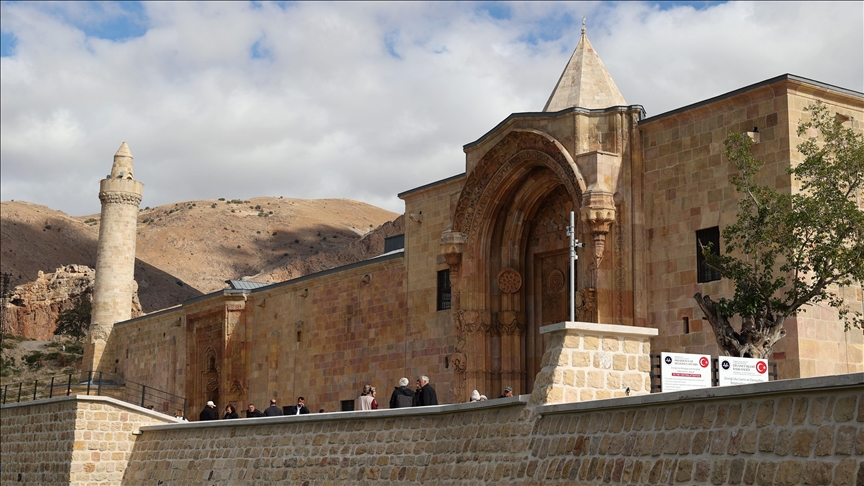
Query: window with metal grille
x=704, y=238
x=443, y=290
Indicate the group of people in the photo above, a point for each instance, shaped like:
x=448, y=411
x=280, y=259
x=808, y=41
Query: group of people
x=210, y=413
x=422, y=395
x=402, y=397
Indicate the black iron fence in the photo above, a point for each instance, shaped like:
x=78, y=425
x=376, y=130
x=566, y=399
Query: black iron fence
x=657, y=377
x=95, y=383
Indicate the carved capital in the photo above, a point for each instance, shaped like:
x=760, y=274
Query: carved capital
x=452, y=243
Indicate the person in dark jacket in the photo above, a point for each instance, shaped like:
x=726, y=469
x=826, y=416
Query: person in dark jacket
x=273, y=410
x=299, y=409
x=230, y=412
x=253, y=412
x=427, y=395
x=402, y=397
x=209, y=412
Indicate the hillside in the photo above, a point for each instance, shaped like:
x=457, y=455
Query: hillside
x=190, y=248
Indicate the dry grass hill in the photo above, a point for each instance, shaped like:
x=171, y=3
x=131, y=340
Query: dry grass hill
x=190, y=248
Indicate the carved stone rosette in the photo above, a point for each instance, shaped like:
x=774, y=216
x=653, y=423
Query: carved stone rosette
x=509, y=281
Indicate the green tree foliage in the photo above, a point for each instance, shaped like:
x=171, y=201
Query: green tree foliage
x=790, y=250
x=75, y=321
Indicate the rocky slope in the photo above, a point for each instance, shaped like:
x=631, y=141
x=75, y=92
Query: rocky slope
x=185, y=249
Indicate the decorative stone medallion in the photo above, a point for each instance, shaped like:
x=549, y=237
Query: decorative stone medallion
x=509, y=281
x=555, y=281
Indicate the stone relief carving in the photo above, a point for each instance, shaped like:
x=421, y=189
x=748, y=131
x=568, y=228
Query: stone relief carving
x=120, y=198
x=460, y=363
x=470, y=321
x=509, y=323
x=481, y=187
x=555, y=282
x=509, y=281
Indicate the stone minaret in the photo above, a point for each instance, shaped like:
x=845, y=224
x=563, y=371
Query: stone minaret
x=120, y=195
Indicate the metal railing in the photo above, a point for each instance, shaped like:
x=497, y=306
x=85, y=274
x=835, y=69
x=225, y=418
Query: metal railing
x=95, y=383
x=657, y=380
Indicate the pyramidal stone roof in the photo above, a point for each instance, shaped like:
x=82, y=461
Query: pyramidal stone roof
x=585, y=82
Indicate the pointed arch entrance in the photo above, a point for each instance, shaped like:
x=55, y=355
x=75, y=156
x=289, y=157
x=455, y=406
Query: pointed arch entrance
x=508, y=253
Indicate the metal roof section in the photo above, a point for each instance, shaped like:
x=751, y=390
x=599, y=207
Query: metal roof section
x=245, y=285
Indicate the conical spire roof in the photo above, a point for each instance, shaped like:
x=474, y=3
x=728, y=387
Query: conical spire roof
x=123, y=151
x=585, y=82
x=122, y=167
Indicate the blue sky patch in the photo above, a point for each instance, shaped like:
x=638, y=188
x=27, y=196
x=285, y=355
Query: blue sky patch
x=390, y=39
x=115, y=21
x=703, y=5
x=259, y=51
x=551, y=28
x=496, y=10
x=8, y=42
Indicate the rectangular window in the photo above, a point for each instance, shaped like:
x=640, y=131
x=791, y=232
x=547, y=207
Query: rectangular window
x=704, y=237
x=347, y=405
x=443, y=290
x=393, y=243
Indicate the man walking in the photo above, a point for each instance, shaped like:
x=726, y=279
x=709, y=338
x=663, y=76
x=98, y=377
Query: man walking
x=273, y=410
x=209, y=412
x=427, y=395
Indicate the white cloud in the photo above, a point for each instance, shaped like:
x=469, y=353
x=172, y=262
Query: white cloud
x=327, y=111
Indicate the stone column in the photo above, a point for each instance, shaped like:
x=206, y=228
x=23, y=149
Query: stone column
x=114, y=284
x=586, y=361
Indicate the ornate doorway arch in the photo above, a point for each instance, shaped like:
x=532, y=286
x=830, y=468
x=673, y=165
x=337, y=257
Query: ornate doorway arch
x=496, y=237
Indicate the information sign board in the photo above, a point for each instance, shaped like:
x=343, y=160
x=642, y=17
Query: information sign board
x=741, y=371
x=679, y=371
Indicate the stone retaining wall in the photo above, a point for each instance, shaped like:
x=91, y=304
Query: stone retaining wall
x=70, y=440
x=807, y=431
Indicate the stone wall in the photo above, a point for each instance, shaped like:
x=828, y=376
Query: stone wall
x=687, y=189
x=805, y=431
x=70, y=440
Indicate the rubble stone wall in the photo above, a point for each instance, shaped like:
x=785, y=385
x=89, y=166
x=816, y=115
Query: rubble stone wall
x=808, y=431
x=805, y=431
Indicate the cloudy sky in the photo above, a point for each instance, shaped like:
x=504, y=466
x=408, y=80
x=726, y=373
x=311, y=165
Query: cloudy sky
x=351, y=99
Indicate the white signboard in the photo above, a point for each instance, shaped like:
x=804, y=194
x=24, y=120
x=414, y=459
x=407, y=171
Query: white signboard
x=685, y=371
x=741, y=371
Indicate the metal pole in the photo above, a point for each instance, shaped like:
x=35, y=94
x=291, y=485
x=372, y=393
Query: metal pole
x=51, y=390
x=20, y=387
x=184, y=407
x=89, y=381
x=69, y=385
x=574, y=243
x=99, y=385
x=143, y=391
x=35, y=388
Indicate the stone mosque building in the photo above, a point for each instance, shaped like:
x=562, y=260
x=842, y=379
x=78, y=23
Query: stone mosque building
x=485, y=260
